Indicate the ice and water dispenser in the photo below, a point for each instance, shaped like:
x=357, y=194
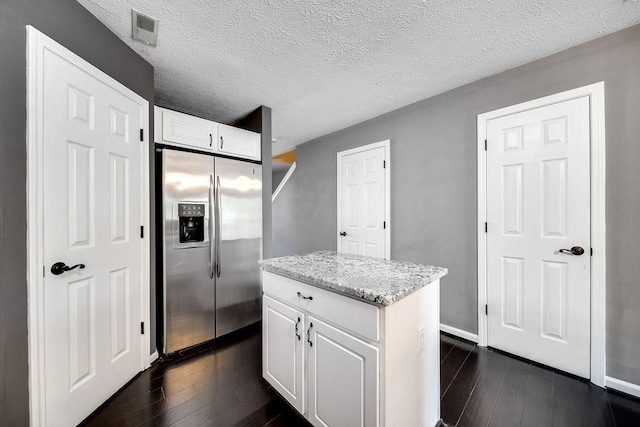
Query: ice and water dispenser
x=191, y=222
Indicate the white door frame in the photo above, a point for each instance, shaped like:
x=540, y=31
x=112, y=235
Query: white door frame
x=595, y=92
x=387, y=182
x=37, y=44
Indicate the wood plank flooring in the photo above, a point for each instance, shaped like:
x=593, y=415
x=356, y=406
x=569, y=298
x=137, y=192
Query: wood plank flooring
x=479, y=387
x=482, y=387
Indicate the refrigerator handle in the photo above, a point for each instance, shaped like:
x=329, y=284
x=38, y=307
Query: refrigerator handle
x=218, y=224
x=211, y=238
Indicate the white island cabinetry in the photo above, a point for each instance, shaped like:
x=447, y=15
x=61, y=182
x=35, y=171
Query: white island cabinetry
x=346, y=361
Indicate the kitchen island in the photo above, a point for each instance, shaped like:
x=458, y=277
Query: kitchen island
x=351, y=340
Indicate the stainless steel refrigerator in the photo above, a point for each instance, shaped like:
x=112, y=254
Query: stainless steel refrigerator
x=212, y=229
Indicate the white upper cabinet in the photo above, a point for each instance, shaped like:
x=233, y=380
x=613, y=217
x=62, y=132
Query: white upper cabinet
x=238, y=142
x=186, y=130
x=183, y=130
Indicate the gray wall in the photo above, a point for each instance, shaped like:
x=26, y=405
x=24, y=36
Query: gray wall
x=73, y=26
x=433, y=182
x=260, y=121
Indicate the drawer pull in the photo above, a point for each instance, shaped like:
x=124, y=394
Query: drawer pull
x=310, y=298
x=297, y=334
x=309, y=335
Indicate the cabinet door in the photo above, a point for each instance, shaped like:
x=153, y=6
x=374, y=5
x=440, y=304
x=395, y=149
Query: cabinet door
x=238, y=142
x=342, y=378
x=187, y=130
x=282, y=350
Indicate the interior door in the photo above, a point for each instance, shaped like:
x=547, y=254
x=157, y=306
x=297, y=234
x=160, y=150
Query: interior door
x=92, y=218
x=538, y=209
x=342, y=378
x=362, y=202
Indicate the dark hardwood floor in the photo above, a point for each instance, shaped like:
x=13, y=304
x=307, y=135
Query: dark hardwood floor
x=479, y=387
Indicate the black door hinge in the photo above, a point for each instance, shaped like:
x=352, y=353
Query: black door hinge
x=485, y=145
x=141, y=135
x=384, y=164
x=486, y=227
x=142, y=231
x=142, y=328
x=486, y=309
x=384, y=225
x=591, y=251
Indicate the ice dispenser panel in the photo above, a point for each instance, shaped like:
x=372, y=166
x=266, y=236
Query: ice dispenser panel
x=191, y=222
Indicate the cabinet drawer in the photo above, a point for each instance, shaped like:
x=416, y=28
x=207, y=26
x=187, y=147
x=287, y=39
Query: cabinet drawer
x=356, y=316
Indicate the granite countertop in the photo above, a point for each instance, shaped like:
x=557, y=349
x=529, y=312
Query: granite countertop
x=379, y=281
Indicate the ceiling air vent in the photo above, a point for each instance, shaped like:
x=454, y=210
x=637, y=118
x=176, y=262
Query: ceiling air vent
x=144, y=28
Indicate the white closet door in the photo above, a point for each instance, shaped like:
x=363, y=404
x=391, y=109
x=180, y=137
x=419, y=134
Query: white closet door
x=362, y=203
x=538, y=202
x=92, y=216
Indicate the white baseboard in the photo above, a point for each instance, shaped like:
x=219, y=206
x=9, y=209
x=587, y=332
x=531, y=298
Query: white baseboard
x=623, y=386
x=459, y=333
x=153, y=357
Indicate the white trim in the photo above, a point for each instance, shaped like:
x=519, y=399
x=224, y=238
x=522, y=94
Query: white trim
x=145, y=297
x=153, y=357
x=386, y=144
x=623, y=386
x=459, y=333
x=37, y=43
x=284, y=181
x=598, y=241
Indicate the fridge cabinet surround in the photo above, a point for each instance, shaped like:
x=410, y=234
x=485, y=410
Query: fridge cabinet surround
x=183, y=130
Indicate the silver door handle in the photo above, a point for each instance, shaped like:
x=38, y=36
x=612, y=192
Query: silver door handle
x=211, y=238
x=218, y=226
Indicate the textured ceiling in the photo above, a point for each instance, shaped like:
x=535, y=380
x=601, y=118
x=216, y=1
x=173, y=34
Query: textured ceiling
x=323, y=65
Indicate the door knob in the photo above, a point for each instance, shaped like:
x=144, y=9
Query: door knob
x=343, y=233
x=60, y=267
x=576, y=250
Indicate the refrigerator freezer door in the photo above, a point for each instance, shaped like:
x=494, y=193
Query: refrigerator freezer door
x=189, y=294
x=238, y=284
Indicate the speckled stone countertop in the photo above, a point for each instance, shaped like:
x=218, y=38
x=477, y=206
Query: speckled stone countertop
x=375, y=280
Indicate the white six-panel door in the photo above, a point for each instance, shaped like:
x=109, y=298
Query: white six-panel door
x=93, y=210
x=538, y=202
x=363, y=201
